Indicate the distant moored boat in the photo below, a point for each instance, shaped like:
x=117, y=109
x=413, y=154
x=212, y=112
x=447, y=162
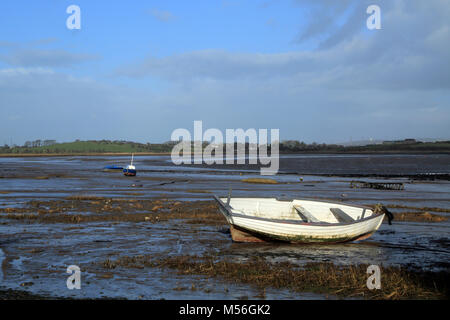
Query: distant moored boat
x=130, y=170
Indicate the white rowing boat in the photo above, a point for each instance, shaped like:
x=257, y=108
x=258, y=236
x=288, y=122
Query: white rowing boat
x=299, y=221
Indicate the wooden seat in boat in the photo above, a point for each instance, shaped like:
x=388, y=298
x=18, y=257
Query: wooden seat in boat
x=341, y=216
x=305, y=214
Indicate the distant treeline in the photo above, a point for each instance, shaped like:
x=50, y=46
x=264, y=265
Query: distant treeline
x=90, y=146
x=290, y=146
x=406, y=145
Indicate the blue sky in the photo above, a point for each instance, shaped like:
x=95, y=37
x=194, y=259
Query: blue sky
x=137, y=70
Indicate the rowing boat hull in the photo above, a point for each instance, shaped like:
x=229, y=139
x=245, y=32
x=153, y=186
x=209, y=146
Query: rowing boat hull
x=249, y=230
x=258, y=229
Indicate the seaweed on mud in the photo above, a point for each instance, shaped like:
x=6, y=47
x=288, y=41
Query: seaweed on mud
x=419, y=217
x=419, y=208
x=317, y=277
x=260, y=180
x=77, y=209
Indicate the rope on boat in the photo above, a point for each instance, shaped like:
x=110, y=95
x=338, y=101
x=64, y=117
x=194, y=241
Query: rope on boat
x=379, y=208
x=229, y=198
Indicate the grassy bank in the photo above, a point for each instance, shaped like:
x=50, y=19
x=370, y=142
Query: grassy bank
x=65, y=154
x=91, y=147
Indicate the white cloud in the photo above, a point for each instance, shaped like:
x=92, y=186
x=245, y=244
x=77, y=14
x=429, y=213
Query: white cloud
x=162, y=15
x=25, y=71
x=410, y=52
x=45, y=58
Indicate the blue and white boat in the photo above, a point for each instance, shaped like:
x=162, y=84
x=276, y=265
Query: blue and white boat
x=130, y=170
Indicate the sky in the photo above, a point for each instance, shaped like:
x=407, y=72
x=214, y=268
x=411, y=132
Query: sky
x=138, y=70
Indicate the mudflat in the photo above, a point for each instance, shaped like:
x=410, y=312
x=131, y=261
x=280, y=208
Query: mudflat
x=159, y=234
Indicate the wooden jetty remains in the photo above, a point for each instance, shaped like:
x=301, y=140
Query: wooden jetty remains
x=378, y=185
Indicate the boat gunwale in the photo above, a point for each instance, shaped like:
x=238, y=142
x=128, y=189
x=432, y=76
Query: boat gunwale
x=290, y=221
